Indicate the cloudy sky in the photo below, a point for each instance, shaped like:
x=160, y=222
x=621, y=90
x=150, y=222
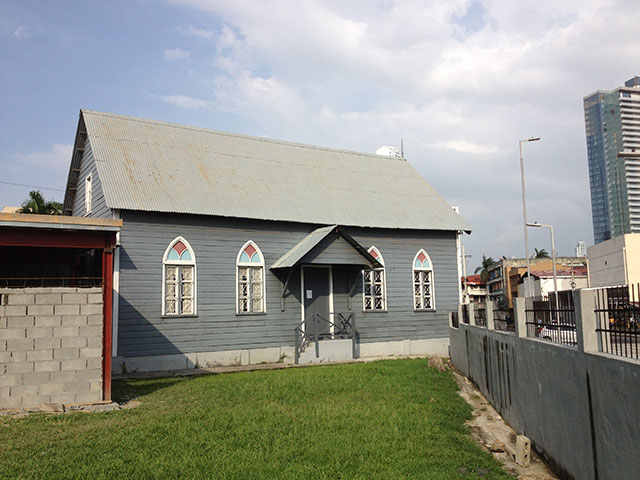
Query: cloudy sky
x=461, y=81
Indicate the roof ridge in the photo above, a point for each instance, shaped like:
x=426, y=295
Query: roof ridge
x=237, y=135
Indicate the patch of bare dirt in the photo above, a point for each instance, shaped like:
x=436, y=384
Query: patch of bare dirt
x=493, y=434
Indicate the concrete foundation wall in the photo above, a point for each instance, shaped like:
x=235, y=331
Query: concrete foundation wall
x=50, y=346
x=330, y=351
x=577, y=406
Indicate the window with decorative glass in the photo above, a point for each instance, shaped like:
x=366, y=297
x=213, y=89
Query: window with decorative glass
x=422, y=282
x=373, y=285
x=250, y=280
x=179, y=279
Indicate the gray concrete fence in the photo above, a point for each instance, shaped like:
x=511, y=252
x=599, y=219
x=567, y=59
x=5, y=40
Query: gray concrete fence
x=50, y=346
x=578, y=406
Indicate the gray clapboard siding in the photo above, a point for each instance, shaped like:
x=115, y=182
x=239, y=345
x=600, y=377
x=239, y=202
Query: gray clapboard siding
x=401, y=321
x=98, y=206
x=216, y=242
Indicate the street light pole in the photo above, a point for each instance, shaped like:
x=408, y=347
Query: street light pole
x=524, y=215
x=553, y=257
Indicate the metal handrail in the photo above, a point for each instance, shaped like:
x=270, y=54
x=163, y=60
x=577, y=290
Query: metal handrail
x=344, y=326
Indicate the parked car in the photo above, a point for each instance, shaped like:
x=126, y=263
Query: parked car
x=563, y=333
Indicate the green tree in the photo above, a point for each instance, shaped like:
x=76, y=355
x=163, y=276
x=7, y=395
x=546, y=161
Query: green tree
x=38, y=205
x=542, y=253
x=484, y=268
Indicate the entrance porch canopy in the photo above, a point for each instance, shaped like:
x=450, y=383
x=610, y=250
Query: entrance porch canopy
x=328, y=246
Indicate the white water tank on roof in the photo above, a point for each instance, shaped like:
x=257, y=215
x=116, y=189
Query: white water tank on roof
x=387, y=151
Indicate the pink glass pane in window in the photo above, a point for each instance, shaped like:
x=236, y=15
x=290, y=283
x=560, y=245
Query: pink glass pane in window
x=179, y=247
x=250, y=250
x=422, y=257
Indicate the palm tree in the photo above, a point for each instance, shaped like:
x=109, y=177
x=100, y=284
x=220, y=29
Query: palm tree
x=38, y=205
x=542, y=253
x=484, y=268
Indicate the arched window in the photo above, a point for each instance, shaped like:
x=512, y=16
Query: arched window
x=423, y=298
x=374, y=289
x=250, y=283
x=179, y=279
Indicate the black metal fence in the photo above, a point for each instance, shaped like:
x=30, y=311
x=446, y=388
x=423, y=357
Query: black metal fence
x=455, y=321
x=503, y=319
x=617, y=315
x=465, y=313
x=552, y=319
x=480, y=314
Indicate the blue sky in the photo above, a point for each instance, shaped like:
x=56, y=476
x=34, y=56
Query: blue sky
x=461, y=81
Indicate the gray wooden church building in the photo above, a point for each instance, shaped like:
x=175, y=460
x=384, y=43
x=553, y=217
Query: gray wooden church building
x=241, y=250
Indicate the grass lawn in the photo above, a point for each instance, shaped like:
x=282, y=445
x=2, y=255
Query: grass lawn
x=395, y=419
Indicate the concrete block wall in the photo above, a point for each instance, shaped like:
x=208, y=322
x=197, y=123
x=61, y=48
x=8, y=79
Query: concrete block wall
x=576, y=404
x=50, y=346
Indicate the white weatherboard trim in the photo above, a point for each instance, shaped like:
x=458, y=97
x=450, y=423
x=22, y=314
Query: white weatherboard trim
x=461, y=269
x=302, y=298
x=115, y=310
x=180, y=262
x=88, y=194
x=331, y=318
x=264, y=276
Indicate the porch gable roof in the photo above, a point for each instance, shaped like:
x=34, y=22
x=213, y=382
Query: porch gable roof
x=305, y=246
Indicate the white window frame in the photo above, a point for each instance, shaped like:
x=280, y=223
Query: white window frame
x=261, y=264
x=384, y=284
x=88, y=194
x=431, y=274
x=166, y=262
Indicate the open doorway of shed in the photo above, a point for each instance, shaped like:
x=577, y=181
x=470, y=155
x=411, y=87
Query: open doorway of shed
x=22, y=267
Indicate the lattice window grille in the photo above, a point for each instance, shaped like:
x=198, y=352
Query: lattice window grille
x=422, y=290
x=374, y=289
x=179, y=291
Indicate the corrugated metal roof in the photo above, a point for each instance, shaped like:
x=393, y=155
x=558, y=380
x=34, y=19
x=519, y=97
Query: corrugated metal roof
x=154, y=166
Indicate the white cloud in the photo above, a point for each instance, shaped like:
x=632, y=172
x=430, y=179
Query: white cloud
x=198, y=32
x=21, y=33
x=465, y=146
x=362, y=74
x=58, y=158
x=176, y=54
x=185, y=102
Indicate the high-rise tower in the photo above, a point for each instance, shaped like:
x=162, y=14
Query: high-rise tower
x=612, y=121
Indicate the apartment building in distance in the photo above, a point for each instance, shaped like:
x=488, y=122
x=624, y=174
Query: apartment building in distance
x=506, y=274
x=612, y=123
